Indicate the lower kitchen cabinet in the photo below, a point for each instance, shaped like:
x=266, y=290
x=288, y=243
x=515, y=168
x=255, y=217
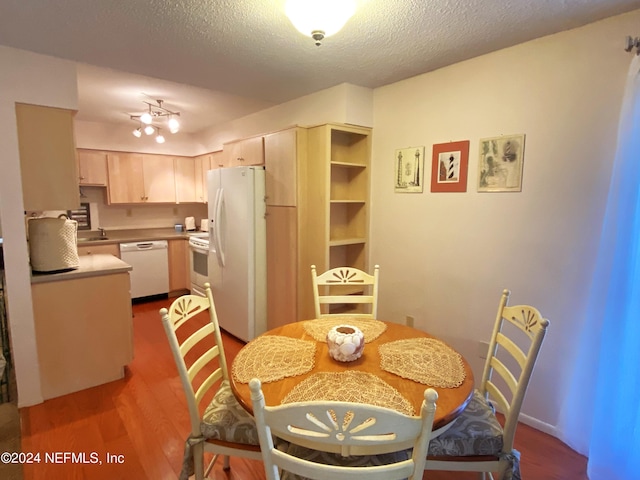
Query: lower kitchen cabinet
x=111, y=249
x=282, y=275
x=84, y=331
x=179, y=279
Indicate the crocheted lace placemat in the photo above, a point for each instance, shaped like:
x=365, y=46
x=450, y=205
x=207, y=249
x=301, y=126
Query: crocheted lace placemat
x=273, y=357
x=349, y=386
x=319, y=327
x=424, y=360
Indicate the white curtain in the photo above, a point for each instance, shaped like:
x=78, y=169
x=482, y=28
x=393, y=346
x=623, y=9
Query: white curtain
x=601, y=413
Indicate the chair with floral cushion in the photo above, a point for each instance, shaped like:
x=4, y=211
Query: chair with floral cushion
x=342, y=440
x=225, y=428
x=345, y=287
x=477, y=442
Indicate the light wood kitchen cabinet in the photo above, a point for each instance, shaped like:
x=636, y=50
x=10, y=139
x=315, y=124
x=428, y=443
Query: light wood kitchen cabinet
x=140, y=178
x=317, y=211
x=92, y=167
x=282, y=272
x=217, y=160
x=111, y=249
x=159, y=179
x=179, y=279
x=126, y=184
x=185, y=175
x=202, y=166
x=248, y=151
x=204, y=163
x=84, y=332
x=47, y=158
x=282, y=152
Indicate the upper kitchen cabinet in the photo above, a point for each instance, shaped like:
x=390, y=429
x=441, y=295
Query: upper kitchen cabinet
x=126, y=184
x=47, y=158
x=159, y=179
x=283, y=151
x=141, y=178
x=92, y=167
x=249, y=151
x=185, y=174
x=204, y=163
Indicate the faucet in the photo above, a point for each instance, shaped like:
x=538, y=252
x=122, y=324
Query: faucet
x=103, y=232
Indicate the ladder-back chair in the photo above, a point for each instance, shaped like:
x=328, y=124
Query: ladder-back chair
x=477, y=442
x=341, y=440
x=225, y=428
x=345, y=286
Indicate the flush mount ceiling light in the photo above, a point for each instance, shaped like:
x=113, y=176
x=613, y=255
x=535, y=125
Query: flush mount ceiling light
x=156, y=114
x=319, y=18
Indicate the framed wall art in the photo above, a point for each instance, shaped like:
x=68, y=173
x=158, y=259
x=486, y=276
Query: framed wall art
x=409, y=170
x=500, y=164
x=449, y=167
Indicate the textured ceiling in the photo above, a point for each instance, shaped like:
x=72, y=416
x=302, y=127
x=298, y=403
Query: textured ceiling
x=247, y=48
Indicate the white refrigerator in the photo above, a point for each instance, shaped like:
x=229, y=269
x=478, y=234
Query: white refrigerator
x=238, y=249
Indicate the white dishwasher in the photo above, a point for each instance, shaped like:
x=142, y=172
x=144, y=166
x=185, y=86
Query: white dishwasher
x=150, y=262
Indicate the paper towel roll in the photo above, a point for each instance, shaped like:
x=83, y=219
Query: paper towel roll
x=189, y=223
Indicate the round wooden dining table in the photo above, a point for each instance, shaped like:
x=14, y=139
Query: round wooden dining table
x=451, y=400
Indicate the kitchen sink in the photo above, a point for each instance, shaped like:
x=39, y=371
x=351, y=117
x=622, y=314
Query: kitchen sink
x=92, y=239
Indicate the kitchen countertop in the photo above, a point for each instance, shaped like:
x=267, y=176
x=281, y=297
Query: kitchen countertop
x=90, y=266
x=131, y=235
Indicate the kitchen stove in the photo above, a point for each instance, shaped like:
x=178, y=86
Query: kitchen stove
x=198, y=261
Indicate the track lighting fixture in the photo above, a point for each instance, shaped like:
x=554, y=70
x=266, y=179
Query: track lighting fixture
x=156, y=114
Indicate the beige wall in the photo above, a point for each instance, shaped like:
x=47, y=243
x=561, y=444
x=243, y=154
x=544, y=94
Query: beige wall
x=21, y=75
x=343, y=103
x=116, y=217
x=104, y=136
x=445, y=257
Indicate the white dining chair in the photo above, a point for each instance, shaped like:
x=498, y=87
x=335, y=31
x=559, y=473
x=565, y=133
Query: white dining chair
x=225, y=428
x=477, y=442
x=342, y=440
x=345, y=287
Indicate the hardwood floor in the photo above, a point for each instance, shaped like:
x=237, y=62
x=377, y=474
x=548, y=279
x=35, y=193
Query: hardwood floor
x=142, y=421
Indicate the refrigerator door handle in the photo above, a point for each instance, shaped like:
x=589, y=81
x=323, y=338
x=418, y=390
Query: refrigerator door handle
x=218, y=227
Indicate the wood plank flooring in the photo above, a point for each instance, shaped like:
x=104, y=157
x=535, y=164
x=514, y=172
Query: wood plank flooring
x=142, y=420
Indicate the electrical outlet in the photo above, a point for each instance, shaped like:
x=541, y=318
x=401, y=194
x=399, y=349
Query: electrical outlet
x=483, y=349
x=409, y=320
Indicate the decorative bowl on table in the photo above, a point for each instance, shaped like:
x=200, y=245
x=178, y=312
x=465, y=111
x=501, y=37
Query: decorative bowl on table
x=346, y=343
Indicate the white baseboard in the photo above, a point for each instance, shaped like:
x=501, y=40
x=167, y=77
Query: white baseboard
x=539, y=425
